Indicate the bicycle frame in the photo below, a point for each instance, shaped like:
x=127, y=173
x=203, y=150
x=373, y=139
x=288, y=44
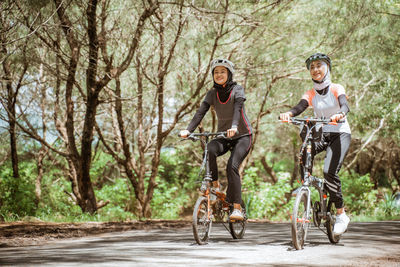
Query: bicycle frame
x=322, y=208
x=310, y=180
x=207, y=179
x=201, y=219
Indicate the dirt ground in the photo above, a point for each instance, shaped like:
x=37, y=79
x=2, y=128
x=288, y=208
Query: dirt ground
x=18, y=234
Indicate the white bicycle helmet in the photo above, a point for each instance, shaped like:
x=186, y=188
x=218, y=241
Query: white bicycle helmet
x=223, y=62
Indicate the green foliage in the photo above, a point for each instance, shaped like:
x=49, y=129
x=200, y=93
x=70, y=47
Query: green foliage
x=388, y=205
x=175, y=185
x=358, y=193
x=384, y=209
x=100, y=164
x=118, y=195
x=264, y=200
x=57, y=206
x=17, y=194
x=19, y=200
x=168, y=200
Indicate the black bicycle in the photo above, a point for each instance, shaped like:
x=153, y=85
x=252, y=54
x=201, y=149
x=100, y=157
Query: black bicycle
x=322, y=209
x=212, y=205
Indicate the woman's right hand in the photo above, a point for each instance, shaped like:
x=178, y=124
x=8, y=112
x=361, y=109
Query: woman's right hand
x=184, y=133
x=285, y=116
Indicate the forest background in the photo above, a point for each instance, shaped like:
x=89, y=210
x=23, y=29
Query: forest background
x=93, y=94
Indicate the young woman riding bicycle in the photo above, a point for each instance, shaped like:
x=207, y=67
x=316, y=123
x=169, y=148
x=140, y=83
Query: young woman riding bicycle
x=328, y=101
x=227, y=97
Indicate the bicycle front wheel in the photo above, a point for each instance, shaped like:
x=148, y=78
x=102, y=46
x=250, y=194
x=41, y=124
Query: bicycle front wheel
x=300, y=219
x=237, y=228
x=202, y=221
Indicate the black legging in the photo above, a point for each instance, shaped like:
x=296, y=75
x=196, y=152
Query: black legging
x=336, y=146
x=240, y=148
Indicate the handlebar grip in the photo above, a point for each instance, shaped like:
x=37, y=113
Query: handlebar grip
x=333, y=122
x=289, y=120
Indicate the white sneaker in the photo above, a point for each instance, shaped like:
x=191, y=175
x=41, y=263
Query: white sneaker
x=341, y=223
x=236, y=215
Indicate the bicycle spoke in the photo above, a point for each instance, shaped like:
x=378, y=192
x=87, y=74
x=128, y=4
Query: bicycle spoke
x=201, y=221
x=300, y=220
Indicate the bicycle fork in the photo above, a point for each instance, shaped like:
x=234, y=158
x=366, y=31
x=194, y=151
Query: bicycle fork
x=308, y=207
x=209, y=212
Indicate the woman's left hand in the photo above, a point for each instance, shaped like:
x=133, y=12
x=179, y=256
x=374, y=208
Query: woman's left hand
x=337, y=117
x=231, y=132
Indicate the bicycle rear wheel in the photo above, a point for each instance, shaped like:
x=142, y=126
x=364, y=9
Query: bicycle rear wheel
x=330, y=222
x=300, y=220
x=201, y=221
x=237, y=228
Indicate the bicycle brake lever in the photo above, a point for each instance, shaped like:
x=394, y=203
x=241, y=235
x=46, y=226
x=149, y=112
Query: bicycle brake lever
x=193, y=138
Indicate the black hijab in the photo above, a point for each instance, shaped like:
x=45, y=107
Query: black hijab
x=224, y=90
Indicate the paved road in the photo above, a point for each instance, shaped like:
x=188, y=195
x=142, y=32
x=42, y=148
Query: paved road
x=265, y=244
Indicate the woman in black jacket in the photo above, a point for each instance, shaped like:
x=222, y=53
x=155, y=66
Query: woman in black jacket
x=227, y=97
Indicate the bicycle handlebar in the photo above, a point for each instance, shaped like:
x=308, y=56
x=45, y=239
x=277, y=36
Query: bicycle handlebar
x=195, y=136
x=316, y=120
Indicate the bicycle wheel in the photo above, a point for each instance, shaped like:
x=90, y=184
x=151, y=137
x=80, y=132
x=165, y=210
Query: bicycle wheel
x=316, y=211
x=300, y=220
x=201, y=221
x=330, y=222
x=237, y=228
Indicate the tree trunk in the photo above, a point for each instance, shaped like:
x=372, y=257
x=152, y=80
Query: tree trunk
x=13, y=143
x=11, y=101
x=38, y=183
x=269, y=170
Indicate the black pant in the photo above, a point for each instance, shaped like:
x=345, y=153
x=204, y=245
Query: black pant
x=239, y=149
x=336, y=146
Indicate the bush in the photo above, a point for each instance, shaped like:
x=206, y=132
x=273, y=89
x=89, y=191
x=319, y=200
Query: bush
x=118, y=195
x=168, y=201
x=358, y=193
x=388, y=206
x=176, y=184
x=264, y=200
x=17, y=194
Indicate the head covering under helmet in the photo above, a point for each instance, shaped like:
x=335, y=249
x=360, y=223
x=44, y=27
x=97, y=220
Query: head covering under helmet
x=326, y=81
x=225, y=89
x=318, y=56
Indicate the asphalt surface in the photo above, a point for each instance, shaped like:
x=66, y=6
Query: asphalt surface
x=264, y=244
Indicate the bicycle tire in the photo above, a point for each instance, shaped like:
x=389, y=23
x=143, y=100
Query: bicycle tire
x=330, y=222
x=300, y=221
x=201, y=223
x=238, y=228
x=316, y=211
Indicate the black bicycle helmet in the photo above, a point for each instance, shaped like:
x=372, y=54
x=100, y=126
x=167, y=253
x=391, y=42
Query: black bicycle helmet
x=318, y=56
